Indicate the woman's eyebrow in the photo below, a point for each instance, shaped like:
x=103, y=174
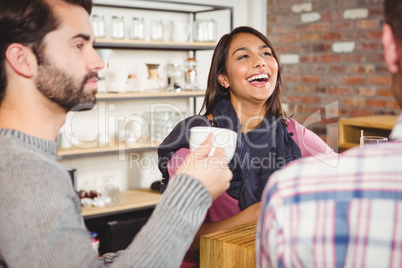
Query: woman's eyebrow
x=240, y=48
x=247, y=48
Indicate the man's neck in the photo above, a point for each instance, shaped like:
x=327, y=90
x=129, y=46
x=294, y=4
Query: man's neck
x=42, y=121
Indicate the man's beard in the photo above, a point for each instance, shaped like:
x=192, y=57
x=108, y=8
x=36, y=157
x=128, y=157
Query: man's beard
x=64, y=89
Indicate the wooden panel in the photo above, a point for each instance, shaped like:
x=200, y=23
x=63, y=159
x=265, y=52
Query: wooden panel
x=129, y=201
x=234, y=247
x=350, y=128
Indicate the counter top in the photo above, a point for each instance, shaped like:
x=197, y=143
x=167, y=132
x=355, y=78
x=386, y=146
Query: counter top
x=130, y=200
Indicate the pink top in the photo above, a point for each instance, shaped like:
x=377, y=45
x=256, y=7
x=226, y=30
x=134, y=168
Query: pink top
x=225, y=206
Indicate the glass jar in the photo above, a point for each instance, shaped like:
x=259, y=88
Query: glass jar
x=132, y=79
x=175, y=76
x=98, y=25
x=205, y=30
x=156, y=30
x=137, y=28
x=153, y=83
x=117, y=27
x=191, y=74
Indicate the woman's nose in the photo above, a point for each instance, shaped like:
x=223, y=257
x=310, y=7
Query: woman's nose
x=258, y=61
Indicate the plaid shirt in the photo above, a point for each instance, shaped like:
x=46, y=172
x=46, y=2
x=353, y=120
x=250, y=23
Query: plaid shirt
x=338, y=212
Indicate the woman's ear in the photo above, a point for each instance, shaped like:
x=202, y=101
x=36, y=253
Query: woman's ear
x=391, y=49
x=222, y=79
x=21, y=59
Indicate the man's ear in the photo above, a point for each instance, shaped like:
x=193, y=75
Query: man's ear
x=391, y=49
x=222, y=79
x=21, y=59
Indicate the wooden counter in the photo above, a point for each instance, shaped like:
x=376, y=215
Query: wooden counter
x=130, y=200
x=234, y=247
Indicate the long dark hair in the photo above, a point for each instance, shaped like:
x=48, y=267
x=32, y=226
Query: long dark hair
x=392, y=16
x=215, y=91
x=27, y=22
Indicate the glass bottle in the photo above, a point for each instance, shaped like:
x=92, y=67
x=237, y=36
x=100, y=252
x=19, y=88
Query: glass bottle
x=191, y=74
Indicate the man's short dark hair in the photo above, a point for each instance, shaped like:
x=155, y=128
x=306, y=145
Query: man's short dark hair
x=27, y=22
x=393, y=17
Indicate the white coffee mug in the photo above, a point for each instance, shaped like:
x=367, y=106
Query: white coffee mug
x=224, y=138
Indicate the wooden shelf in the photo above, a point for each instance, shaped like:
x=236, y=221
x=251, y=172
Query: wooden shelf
x=103, y=149
x=148, y=95
x=350, y=128
x=158, y=45
x=130, y=200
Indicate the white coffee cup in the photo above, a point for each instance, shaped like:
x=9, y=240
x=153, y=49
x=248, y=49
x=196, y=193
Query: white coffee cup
x=224, y=138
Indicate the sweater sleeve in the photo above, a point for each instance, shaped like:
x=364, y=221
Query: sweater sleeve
x=169, y=232
x=310, y=144
x=42, y=225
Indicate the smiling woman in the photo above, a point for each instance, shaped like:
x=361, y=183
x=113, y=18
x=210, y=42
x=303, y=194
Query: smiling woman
x=251, y=74
x=243, y=94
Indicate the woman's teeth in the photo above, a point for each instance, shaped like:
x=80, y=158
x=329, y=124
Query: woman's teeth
x=261, y=77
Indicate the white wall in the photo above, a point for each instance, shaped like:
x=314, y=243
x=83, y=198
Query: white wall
x=245, y=12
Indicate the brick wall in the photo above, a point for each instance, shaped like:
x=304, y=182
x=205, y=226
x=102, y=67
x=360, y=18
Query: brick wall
x=332, y=60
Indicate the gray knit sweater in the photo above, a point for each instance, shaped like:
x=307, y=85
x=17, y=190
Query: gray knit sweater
x=41, y=223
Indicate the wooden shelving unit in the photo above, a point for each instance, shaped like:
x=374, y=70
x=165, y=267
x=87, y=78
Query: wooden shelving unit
x=376, y=125
x=85, y=150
